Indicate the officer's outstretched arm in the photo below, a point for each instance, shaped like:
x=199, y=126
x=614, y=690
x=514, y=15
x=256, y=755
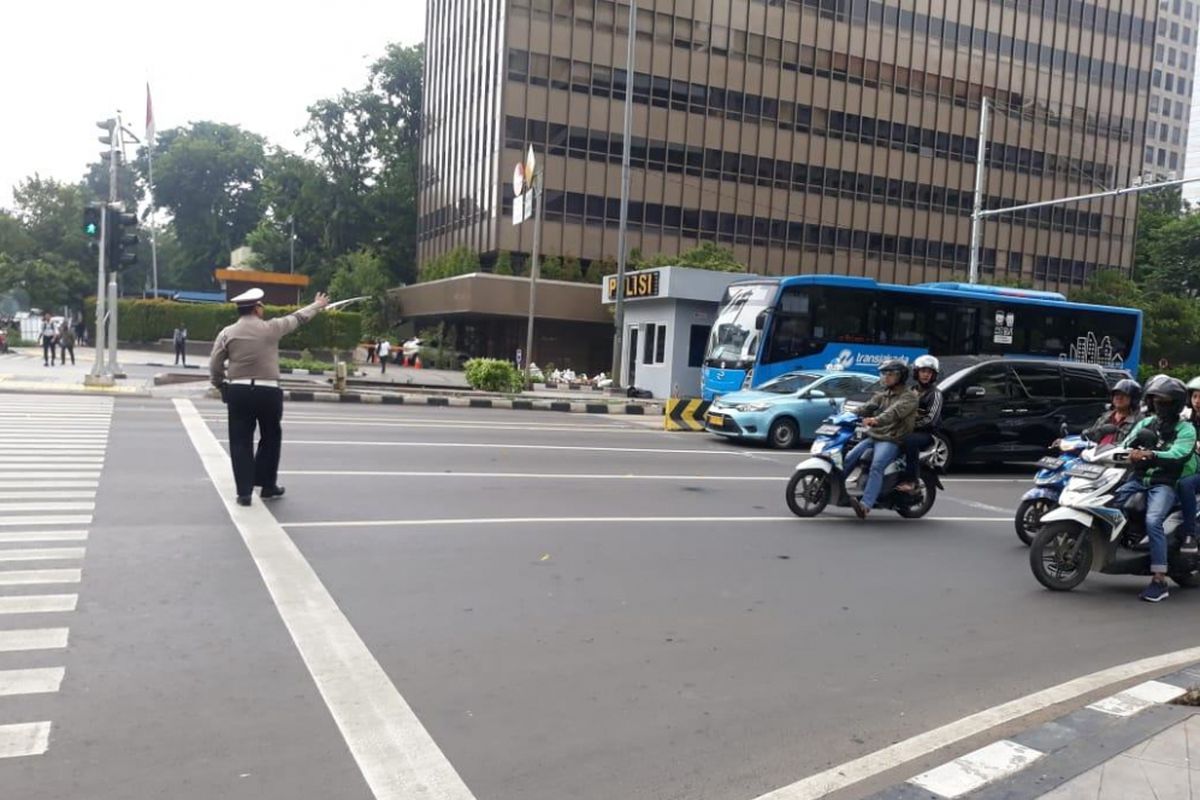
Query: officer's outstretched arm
x=282, y=326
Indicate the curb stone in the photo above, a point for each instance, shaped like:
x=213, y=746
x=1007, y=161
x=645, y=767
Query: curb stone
x=1038, y=760
x=631, y=409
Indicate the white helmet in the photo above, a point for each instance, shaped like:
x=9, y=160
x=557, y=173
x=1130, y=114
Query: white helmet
x=928, y=362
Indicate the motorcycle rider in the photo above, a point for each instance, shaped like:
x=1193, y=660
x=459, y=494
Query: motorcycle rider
x=1189, y=486
x=890, y=416
x=1160, y=467
x=1115, y=424
x=929, y=416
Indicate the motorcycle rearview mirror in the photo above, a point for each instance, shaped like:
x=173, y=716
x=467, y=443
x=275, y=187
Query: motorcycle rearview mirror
x=1064, y=430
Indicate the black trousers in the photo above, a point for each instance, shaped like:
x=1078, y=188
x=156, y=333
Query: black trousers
x=914, y=444
x=181, y=352
x=48, y=349
x=251, y=406
x=65, y=348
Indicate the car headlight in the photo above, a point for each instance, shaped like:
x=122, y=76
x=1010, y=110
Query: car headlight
x=753, y=406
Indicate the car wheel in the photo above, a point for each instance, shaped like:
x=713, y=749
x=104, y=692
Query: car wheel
x=784, y=434
x=941, y=452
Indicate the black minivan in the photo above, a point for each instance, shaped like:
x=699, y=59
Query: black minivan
x=1010, y=409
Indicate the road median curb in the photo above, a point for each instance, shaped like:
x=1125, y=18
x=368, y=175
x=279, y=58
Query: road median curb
x=504, y=404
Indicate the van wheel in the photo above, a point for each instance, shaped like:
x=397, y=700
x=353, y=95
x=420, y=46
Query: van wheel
x=942, y=452
x=784, y=434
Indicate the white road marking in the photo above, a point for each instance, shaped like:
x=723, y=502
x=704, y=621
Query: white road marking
x=921, y=745
x=397, y=756
x=41, y=554
x=35, y=492
x=28, y=474
x=38, y=485
x=973, y=504
x=1137, y=698
x=31, y=577
x=15, y=641
x=974, y=770
x=410, y=523
x=497, y=446
x=64, y=459
x=474, y=426
x=24, y=739
x=43, y=680
x=50, y=505
x=43, y=536
x=533, y=475
x=27, y=519
x=38, y=603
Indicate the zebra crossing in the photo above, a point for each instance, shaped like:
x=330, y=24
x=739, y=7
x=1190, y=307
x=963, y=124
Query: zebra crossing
x=52, y=451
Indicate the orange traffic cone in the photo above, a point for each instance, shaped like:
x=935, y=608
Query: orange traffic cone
x=416, y=362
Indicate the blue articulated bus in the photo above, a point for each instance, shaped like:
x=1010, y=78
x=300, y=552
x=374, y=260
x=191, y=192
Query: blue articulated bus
x=768, y=326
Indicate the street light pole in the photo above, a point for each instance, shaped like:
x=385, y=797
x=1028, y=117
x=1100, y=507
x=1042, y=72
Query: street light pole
x=533, y=268
x=291, y=244
x=980, y=177
x=622, y=231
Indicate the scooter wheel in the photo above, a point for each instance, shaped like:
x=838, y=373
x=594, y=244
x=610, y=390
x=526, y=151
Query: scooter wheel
x=925, y=497
x=808, y=492
x=1028, y=519
x=1061, y=555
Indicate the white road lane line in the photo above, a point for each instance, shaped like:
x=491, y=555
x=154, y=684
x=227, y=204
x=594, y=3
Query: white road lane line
x=43, y=536
x=38, y=603
x=41, y=554
x=471, y=426
x=397, y=756
x=29, y=519
x=330, y=443
x=82, y=485
x=35, y=577
x=535, y=475
x=24, y=739
x=416, y=523
x=42, y=680
x=17, y=641
x=65, y=459
x=35, y=492
x=25, y=473
x=921, y=745
x=50, y=505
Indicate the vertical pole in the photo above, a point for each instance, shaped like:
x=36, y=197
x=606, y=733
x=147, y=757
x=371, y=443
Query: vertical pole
x=101, y=321
x=538, y=188
x=291, y=243
x=114, y=165
x=153, y=232
x=622, y=234
x=980, y=178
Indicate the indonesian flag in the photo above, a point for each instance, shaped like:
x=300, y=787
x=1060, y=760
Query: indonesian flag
x=149, y=117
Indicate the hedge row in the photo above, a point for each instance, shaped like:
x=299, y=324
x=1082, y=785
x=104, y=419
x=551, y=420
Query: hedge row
x=151, y=320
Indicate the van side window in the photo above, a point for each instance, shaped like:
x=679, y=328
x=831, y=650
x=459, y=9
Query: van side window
x=1084, y=383
x=1039, y=380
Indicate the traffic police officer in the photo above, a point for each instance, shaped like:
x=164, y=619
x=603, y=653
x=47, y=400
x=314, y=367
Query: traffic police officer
x=249, y=385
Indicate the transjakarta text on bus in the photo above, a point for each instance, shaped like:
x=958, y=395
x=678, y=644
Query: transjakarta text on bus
x=768, y=326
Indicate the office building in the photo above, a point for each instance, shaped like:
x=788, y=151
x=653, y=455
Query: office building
x=1171, y=86
x=833, y=136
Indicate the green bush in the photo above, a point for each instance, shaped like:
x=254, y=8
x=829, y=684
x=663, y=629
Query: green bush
x=151, y=320
x=494, y=375
x=1185, y=372
x=310, y=364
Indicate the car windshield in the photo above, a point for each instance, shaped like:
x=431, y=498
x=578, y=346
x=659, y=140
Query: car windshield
x=788, y=384
x=733, y=342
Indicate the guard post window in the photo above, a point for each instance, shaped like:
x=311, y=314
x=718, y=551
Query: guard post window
x=655, y=347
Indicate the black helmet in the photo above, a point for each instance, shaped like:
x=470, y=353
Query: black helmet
x=1168, y=388
x=897, y=366
x=1129, y=388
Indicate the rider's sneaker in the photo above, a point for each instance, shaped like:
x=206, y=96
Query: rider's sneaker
x=1155, y=592
x=1189, y=546
x=859, y=508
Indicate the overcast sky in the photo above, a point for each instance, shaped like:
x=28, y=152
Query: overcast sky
x=254, y=63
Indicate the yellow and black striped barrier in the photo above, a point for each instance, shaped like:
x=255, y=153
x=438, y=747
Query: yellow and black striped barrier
x=685, y=414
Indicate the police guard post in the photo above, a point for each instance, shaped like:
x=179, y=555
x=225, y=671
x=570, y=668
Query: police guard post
x=250, y=388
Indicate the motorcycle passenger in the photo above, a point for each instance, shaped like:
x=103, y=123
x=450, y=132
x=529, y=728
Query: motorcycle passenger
x=1190, y=486
x=1160, y=467
x=889, y=416
x=929, y=418
x=1115, y=424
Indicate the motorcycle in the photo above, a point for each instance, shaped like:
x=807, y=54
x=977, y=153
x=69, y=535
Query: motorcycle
x=819, y=480
x=1087, y=533
x=1048, y=484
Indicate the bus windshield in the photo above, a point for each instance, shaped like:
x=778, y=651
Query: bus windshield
x=733, y=343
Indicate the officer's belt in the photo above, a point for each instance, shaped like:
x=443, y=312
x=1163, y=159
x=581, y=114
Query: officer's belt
x=255, y=382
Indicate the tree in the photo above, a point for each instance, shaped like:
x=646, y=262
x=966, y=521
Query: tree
x=358, y=274
x=459, y=261
x=209, y=176
x=704, y=256
x=1173, y=257
x=48, y=285
x=599, y=268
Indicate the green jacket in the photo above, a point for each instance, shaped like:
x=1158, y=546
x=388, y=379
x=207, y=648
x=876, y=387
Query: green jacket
x=896, y=412
x=1174, y=452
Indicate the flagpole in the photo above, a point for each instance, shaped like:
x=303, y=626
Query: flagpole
x=150, y=158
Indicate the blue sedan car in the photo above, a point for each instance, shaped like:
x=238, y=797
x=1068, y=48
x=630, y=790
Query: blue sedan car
x=786, y=410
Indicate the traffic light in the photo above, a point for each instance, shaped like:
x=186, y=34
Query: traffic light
x=121, y=244
x=91, y=225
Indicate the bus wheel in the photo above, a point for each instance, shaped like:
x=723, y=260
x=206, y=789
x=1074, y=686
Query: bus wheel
x=783, y=434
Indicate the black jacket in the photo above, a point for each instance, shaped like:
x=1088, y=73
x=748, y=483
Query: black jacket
x=929, y=408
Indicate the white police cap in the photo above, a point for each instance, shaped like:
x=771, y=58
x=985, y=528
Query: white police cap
x=249, y=297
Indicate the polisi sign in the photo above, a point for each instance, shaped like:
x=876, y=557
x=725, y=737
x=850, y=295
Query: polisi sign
x=637, y=285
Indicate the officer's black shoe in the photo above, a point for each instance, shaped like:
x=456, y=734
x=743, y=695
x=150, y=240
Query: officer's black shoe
x=270, y=492
x=243, y=499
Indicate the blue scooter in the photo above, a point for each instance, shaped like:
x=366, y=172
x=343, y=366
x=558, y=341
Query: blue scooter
x=819, y=480
x=1048, y=484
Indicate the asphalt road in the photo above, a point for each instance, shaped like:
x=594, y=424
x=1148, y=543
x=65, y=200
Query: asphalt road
x=571, y=606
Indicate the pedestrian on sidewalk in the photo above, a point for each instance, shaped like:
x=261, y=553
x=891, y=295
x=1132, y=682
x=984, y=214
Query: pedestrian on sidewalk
x=66, y=343
x=244, y=365
x=49, y=337
x=385, y=349
x=180, y=337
